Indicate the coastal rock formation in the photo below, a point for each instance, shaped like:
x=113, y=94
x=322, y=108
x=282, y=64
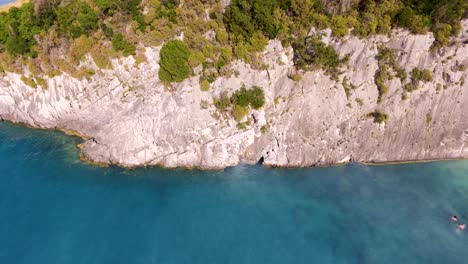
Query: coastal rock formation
x=130, y=118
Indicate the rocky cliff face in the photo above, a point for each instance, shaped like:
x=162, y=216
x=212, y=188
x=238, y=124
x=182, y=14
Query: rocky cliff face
x=132, y=119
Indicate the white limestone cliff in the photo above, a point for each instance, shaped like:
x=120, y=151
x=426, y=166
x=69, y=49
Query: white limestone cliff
x=132, y=119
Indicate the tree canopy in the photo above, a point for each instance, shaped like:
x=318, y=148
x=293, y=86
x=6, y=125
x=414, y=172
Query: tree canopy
x=173, y=62
x=50, y=31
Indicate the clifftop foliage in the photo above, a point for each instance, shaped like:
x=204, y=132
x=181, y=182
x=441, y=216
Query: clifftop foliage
x=243, y=18
x=312, y=54
x=53, y=35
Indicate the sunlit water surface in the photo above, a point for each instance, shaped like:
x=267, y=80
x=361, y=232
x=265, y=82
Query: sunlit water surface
x=55, y=209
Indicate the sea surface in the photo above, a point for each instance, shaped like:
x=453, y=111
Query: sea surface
x=56, y=209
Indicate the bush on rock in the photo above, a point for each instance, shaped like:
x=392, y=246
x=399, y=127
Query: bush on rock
x=174, y=66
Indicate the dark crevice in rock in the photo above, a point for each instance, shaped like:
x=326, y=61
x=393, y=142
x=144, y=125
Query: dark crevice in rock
x=254, y=119
x=261, y=161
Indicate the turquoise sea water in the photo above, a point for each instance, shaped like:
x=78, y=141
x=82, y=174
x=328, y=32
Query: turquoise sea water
x=55, y=209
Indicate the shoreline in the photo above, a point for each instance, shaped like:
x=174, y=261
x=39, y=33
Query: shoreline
x=85, y=159
x=314, y=124
x=17, y=3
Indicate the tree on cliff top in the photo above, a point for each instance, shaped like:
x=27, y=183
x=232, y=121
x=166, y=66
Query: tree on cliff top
x=173, y=62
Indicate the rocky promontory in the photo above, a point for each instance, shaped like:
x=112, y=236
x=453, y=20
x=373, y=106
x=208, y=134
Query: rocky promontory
x=131, y=118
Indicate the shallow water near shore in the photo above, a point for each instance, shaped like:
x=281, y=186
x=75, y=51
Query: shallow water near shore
x=55, y=209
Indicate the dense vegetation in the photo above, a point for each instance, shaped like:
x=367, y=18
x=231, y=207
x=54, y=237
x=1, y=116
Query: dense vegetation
x=174, y=61
x=253, y=97
x=53, y=36
x=312, y=54
x=239, y=103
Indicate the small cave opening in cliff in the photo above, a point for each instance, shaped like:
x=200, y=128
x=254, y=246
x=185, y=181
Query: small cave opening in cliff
x=261, y=161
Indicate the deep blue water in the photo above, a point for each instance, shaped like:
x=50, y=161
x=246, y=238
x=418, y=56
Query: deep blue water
x=55, y=209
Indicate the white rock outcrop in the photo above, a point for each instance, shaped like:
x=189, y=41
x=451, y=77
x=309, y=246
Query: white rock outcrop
x=132, y=119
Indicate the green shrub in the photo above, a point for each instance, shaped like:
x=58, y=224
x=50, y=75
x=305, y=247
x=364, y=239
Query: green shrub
x=29, y=81
x=76, y=18
x=404, y=96
x=245, y=17
x=253, y=97
x=313, y=53
x=106, y=6
x=401, y=74
x=320, y=21
x=79, y=48
x=368, y=25
x=174, y=58
x=108, y=32
x=409, y=87
x=426, y=75
x=242, y=126
x=171, y=3
x=222, y=103
x=87, y=18
x=387, y=60
x=381, y=75
x=339, y=26
x=226, y=54
x=384, y=25
x=196, y=58
x=297, y=77
x=416, y=74
x=359, y=101
x=213, y=15
x=347, y=87
x=443, y=17
x=41, y=82
x=428, y=119
x=239, y=112
x=119, y=43
x=204, y=85
x=140, y=57
x=379, y=117
x=258, y=42
x=32, y=67
x=102, y=54
x=240, y=102
x=442, y=34
x=18, y=27
x=128, y=7
x=409, y=19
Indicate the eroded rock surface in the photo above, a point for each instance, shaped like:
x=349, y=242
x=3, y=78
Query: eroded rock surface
x=132, y=119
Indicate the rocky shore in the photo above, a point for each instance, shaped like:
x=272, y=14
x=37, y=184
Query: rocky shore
x=131, y=119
